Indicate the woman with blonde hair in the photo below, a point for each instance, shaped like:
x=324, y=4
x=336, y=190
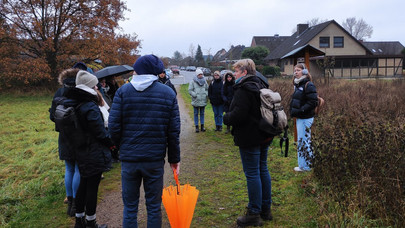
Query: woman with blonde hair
x=302, y=107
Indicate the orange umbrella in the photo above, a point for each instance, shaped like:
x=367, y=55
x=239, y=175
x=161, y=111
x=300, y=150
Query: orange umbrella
x=179, y=203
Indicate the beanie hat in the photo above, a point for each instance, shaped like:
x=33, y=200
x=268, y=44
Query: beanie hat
x=85, y=78
x=198, y=71
x=80, y=65
x=148, y=64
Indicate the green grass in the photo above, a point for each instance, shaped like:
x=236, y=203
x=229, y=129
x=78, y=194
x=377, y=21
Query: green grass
x=223, y=194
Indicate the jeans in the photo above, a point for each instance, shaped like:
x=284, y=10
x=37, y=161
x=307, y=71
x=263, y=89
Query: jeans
x=304, y=142
x=87, y=195
x=151, y=173
x=218, y=112
x=72, y=178
x=201, y=111
x=254, y=162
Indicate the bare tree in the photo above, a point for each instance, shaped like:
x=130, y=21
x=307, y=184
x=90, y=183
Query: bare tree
x=359, y=29
x=312, y=22
x=191, y=50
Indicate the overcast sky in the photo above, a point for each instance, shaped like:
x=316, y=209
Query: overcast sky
x=168, y=26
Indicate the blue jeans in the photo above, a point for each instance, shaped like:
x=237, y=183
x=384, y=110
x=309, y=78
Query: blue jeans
x=304, y=142
x=72, y=178
x=199, y=110
x=151, y=173
x=218, y=112
x=254, y=162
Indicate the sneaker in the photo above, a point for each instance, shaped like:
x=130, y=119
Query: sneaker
x=298, y=169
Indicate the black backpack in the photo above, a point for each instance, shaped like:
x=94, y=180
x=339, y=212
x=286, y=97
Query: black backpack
x=65, y=116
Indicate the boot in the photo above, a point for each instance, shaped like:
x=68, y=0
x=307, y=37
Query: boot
x=93, y=224
x=73, y=208
x=202, y=128
x=219, y=127
x=197, y=129
x=216, y=128
x=249, y=219
x=69, y=203
x=228, y=129
x=80, y=222
x=266, y=214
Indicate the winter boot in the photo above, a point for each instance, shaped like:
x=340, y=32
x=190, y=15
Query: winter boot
x=220, y=128
x=228, y=129
x=202, y=128
x=80, y=222
x=216, y=128
x=266, y=214
x=69, y=208
x=197, y=129
x=249, y=219
x=73, y=208
x=93, y=224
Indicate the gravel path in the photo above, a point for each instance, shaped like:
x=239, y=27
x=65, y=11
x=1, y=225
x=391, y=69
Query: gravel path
x=110, y=208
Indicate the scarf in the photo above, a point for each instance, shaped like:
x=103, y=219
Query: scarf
x=298, y=80
x=199, y=81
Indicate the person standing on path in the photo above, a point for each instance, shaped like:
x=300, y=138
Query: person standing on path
x=166, y=81
x=244, y=116
x=227, y=94
x=198, y=89
x=214, y=93
x=302, y=107
x=145, y=122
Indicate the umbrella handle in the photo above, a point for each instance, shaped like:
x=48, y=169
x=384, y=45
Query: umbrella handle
x=176, y=178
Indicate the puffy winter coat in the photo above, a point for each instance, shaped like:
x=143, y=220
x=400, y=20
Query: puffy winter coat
x=199, y=94
x=244, y=113
x=68, y=79
x=304, y=100
x=92, y=141
x=214, y=92
x=145, y=122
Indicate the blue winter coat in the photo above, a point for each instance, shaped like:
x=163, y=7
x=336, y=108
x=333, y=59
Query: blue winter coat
x=145, y=121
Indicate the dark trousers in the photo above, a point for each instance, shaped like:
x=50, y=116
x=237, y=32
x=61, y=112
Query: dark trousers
x=86, y=195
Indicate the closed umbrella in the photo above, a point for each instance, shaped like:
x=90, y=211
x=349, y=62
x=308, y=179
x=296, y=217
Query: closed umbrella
x=179, y=202
x=116, y=70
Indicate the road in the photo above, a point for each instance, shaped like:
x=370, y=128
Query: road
x=184, y=77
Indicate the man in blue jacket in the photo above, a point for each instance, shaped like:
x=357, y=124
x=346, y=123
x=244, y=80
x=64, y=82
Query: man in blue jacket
x=145, y=122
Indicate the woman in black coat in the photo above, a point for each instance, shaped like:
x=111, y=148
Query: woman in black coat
x=227, y=94
x=92, y=144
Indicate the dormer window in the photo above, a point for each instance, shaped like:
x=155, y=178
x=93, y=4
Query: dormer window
x=338, y=42
x=324, y=42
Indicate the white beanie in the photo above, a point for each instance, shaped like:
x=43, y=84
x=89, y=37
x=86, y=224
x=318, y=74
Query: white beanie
x=86, y=78
x=198, y=71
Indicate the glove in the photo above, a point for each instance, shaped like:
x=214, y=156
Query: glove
x=114, y=152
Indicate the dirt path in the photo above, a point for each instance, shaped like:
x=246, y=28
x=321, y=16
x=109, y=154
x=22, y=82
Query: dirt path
x=110, y=208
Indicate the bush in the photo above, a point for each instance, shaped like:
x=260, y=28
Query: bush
x=271, y=70
x=359, y=144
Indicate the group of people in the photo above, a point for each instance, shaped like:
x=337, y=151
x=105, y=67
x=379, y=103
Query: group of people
x=144, y=124
x=220, y=94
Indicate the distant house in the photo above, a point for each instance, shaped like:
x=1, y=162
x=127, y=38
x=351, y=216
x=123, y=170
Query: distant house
x=352, y=58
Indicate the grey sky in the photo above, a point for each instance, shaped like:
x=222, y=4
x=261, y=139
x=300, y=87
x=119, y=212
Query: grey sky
x=167, y=26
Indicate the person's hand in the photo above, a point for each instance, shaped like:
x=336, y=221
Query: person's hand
x=175, y=166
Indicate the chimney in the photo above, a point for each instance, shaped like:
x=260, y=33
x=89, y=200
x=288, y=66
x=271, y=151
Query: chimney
x=301, y=28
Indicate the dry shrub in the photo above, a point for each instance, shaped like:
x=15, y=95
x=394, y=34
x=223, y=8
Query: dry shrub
x=359, y=145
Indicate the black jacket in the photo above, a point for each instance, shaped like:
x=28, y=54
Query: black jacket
x=167, y=82
x=304, y=100
x=214, y=92
x=244, y=113
x=227, y=93
x=92, y=141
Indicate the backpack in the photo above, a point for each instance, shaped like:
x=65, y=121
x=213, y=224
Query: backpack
x=65, y=116
x=320, y=104
x=274, y=119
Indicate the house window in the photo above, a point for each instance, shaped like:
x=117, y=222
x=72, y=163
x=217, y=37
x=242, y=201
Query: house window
x=338, y=42
x=324, y=42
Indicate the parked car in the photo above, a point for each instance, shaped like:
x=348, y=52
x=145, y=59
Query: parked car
x=191, y=68
x=183, y=68
x=206, y=71
x=223, y=72
x=175, y=70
